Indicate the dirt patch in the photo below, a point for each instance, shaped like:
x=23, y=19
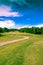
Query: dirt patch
x=7, y=42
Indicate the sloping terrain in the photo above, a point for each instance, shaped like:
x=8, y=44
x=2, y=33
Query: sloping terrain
x=26, y=52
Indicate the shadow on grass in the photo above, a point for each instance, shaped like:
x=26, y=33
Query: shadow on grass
x=1, y=34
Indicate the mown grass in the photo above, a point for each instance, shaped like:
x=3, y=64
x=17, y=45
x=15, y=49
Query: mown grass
x=27, y=52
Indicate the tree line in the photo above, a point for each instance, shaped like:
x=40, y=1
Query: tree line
x=33, y=30
x=2, y=30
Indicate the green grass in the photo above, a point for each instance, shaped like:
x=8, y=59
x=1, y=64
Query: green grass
x=27, y=52
x=9, y=36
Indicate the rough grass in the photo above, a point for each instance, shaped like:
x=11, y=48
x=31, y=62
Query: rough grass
x=28, y=52
x=9, y=36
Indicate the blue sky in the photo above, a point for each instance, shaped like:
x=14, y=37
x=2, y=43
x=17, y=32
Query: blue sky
x=21, y=13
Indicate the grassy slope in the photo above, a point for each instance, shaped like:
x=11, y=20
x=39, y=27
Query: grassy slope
x=9, y=36
x=28, y=52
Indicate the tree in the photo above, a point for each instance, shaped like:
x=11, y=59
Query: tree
x=42, y=30
x=6, y=30
x=1, y=30
x=33, y=30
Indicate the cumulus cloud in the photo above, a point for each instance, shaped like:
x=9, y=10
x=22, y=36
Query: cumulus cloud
x=7, y=24
x=6, y=11
x=12, y=24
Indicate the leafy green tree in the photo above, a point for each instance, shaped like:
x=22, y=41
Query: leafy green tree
x=6, y=30
x=33, y=30
x=1, y=30
x=42, y=30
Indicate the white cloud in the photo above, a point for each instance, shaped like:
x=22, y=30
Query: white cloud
x=29, y=26
x=6, y=11
x=22, y=26
x=12, y=24
x=39, y=25
x=7, y=24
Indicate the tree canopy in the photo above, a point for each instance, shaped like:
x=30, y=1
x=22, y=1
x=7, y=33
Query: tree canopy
x=33, y=30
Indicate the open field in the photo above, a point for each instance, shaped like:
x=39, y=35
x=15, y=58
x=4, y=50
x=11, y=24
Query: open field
x=9, y=36
x=11, y=41
x=26, y=52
